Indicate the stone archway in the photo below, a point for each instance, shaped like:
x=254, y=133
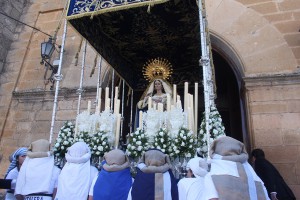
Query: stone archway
x=229, y=77
x=245, y=38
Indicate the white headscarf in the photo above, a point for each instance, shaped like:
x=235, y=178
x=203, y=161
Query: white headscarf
x=198, y=166
x=74, y=179
x=13, y=163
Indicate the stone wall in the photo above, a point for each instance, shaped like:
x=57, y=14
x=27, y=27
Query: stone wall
x=261, y=33
x=8, y=26
x=274, y=114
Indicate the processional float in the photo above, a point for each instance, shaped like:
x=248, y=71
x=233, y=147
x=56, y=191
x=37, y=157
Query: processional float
x=90, y=19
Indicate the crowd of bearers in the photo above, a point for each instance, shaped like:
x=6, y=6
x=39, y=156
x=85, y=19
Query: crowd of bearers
x=230, y=176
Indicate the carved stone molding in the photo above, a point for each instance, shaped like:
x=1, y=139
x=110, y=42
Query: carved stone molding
x=46, y=95
x=272, y=80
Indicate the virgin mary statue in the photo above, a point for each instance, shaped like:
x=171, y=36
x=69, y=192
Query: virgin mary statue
x=157, y=71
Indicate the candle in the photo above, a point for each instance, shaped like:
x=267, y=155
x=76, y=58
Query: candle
x=186, y=90
x=116, y=92
x=168, y=102
x=116, y=97
x=160, y=107
x=98, y=108
x=106, y=98
x=196, y=108
x=191, y=105
x=89, y=107
x=141, y=120
x=107, y=106
x=149, y=103
x=117, y=135
x=174, y=93
x=189, y=118
x=117, y=107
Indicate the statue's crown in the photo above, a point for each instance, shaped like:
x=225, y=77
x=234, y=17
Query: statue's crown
x=157, y=68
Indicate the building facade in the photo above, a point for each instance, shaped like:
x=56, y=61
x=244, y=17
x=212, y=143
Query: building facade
x=259, y=39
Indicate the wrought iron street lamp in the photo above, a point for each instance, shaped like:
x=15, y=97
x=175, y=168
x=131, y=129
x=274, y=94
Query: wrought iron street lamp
x=47, y=49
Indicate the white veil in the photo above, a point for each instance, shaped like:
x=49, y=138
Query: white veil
x=149, y=91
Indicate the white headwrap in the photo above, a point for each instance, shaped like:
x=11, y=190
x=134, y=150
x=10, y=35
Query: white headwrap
x=74, y=180
x=19, y=152
x=198, y=166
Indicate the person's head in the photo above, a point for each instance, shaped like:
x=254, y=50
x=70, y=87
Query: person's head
x=257, y=153
x=158, y=86
x=78, y=153
x=20, y=160
x=228, y=148
x=197, y=167
x=17, y=159
x=39, y=148
x=155, y=161
x=116, y=160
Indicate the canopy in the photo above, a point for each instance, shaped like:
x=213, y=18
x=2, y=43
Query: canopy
x=127, y=36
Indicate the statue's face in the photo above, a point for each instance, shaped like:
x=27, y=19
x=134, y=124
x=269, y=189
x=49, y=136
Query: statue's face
x=157, y=85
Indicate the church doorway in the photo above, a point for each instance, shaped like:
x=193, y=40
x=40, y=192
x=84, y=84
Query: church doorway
x=229, y=99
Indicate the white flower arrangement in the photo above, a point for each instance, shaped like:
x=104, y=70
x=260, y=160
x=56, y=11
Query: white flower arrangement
x=63, y=141
x=83, y=137
x=184, y=144
x=217, y=130
x=163, y=141
x=99, y=144
x=137, y=144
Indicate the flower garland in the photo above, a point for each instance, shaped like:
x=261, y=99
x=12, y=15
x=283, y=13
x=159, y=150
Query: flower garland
x=184, y=143
x=99, y=144
x=63, y=141
x=137, y=144
x=163, y=142
x=216, y=127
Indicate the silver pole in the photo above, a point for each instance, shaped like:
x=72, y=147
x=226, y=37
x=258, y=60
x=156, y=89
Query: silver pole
x=131, y=108
x=80, y=90
x=99, y=79
x=112, y=90
x=58, y=77
x=206, y=65
x=122, y=111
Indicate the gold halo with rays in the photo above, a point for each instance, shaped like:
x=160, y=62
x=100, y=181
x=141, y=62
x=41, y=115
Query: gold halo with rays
x=157, y=68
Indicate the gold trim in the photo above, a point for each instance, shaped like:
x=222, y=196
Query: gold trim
x=106, y=10
x=157, y=68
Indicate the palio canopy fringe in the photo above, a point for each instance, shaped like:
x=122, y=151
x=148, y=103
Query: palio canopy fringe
x=83, y=8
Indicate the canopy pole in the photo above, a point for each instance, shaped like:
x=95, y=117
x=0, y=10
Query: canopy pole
x=131, y=111
x=205, y=62
x=112, y=91
x=99, y=84
x=80, y=90
x=58, y=77
x=122, y=111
